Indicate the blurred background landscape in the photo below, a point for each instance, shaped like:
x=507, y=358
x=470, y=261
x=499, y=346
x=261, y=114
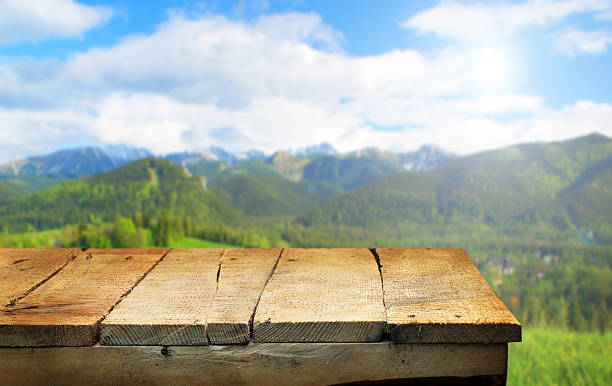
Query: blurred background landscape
x=484, y=126
x=535, y=218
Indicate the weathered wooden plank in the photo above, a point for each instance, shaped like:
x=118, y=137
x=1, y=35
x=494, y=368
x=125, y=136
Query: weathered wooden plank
x=256, y=364
x=322, y=295
x=23, y=270
x=66, y=309
x=170, y=305
x=243, y=275
x=438, y=296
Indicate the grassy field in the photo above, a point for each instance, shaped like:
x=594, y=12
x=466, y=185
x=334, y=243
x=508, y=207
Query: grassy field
x=189, y=242
x=556, y=357
x=58, y=238
x=40, y=239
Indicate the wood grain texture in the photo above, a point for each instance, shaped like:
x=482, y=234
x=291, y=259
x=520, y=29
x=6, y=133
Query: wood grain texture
x=255, y=364
x=322, y=295
x=243, y=275
x=170, y=305
x=23, y=270
x=438, y=296
x=66, y=309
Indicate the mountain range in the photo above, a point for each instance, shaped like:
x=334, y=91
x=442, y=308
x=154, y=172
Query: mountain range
x=93, y=160
x=545, y=191
x=314, y=163
x=537, y=190
x=75, y=162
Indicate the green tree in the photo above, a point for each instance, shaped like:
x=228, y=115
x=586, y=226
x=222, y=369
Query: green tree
x=137, y=220
x=124, y=233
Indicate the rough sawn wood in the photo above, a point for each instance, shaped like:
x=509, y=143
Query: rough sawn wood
x=193, y=297
x=170, y=305
x=67, y=308
x=243, y=275
x=322, y=295
x=22, y=270
x=254, y=364
x=438, y=296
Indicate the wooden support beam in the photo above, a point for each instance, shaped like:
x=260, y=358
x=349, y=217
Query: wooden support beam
x=67, y=308
x=322, y=295
x=255, y=364
x=23, y=270
x=438, y=296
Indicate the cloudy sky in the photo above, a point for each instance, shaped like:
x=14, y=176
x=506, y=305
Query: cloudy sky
x=278, y=74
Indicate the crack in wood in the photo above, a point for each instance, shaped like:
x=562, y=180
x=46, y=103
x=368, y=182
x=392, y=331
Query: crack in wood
x=386, y=333
x=215, y=295
x=14, y=301
x=18, y=309
x=262, y=290
x=44, y=308
x=219, y=273
x=382, y=282
x=125, y=294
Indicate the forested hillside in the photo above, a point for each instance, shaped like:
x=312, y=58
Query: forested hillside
x=553, y=187
x=152, y=187
x=262, y=195
x=6, y=193
x=354, y=170
x=24, y=185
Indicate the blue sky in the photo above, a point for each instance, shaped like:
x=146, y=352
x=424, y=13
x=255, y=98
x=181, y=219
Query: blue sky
x=174, y=75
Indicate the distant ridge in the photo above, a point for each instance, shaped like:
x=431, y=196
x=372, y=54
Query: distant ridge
x=565, y=185
x=75, y=162
x=309, y=151
x=87, y=161
x=427, y=157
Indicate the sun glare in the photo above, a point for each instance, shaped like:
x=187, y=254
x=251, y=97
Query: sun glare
x=491, y=69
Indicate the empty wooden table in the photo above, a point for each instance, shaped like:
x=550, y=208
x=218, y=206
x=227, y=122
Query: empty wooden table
x=249, y=316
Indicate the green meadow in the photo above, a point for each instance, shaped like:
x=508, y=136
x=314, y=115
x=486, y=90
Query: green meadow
x=560, y=357
x=190, y=242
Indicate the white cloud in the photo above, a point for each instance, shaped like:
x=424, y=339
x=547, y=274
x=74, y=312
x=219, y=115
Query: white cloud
x=267, y=123
x=459, y=129
x=299, y=27
x=27, y=132
x=36, y=20
x=243, y=85
x=477, y=21
x=164, y=125
x=574, y=41
x=605, y=16
x=230, y=64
